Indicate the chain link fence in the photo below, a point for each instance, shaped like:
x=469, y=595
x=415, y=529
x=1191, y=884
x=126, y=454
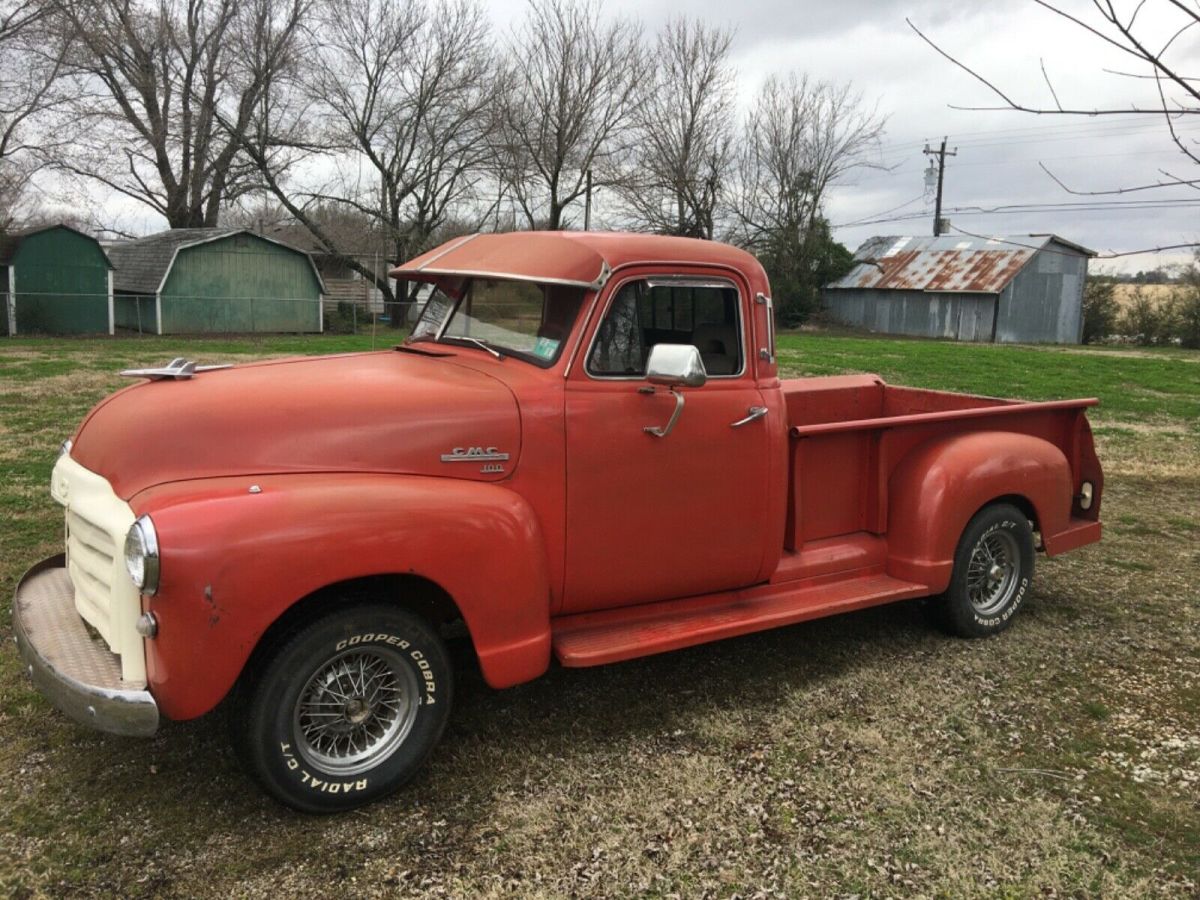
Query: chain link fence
x=29, y=313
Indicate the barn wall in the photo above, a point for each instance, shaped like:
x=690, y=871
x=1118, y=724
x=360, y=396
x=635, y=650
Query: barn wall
x=60, y=281
x=240, y=283
x=963, y=317
x=1044, y=303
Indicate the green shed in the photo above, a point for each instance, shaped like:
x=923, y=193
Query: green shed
x=56, y=280
x=197, y=280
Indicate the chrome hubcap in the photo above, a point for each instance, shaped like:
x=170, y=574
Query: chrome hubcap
x=992, y=573
x=355, y=710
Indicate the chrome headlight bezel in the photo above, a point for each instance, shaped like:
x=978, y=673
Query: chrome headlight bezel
x=141, y=556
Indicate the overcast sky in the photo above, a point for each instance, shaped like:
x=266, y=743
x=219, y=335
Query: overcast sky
x=868, y=43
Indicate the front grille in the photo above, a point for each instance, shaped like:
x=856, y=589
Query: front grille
x=97, y=521
x=92, y=560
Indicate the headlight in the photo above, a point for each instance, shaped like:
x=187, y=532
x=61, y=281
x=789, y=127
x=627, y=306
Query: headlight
x=64, y=448
x=141, y=555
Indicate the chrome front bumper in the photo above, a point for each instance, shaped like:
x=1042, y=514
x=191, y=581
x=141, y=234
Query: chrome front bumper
x=73, y=670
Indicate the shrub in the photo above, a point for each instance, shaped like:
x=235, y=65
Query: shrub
x=1183, y=315
x=1100, y=310
x=1145, y=321
x=341, y=320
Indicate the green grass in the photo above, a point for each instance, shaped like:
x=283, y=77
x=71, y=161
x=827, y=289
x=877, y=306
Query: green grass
x=864, y=754
x=1132, y=385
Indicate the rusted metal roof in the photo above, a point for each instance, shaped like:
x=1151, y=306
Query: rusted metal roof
x=947, y=264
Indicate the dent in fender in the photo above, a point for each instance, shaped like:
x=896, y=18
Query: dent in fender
x=480, y=542
x=940, y=485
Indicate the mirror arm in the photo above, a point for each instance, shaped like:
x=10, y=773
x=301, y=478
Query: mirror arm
x=664, y=431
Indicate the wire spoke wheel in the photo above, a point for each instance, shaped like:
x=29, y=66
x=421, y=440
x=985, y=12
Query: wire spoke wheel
x=356, y=709
x=993, y=572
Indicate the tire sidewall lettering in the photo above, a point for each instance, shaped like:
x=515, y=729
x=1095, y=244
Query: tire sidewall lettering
x=332, y=784
x=1018, y=598
x=959, y=612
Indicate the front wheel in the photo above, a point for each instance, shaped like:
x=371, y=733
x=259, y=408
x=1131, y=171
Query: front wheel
x=993, y=570
x=344, y=711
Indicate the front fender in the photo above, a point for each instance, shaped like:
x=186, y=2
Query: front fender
x=940, y=485
x=234, y=561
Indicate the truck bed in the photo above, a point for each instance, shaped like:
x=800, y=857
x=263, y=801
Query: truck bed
x=848, y=432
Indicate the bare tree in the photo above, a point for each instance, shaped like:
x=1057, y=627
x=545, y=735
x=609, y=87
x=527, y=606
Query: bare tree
x=30, y=64
x=398, y=105
x=801, y=138
x=684, y=132
x=1157, y=56
x=575, y=87
x=164, y=90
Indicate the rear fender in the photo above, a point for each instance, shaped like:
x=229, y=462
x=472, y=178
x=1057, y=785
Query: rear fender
x=234, y=561
x=940, y=485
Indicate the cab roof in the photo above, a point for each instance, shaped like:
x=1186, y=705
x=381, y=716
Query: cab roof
x=578, y=258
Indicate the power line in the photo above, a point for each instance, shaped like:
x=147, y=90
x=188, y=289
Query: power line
x=1038, y=209
x=1037, y=133
x=884, y=212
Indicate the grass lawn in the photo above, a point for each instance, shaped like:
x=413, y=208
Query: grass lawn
x=862, y=755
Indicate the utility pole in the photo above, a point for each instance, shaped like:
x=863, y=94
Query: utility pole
x=941, y=171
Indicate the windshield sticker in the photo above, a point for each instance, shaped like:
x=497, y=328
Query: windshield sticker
x=545, y=348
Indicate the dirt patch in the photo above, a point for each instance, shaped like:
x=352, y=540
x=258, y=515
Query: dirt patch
x=1122, y=354
x=1147, y=450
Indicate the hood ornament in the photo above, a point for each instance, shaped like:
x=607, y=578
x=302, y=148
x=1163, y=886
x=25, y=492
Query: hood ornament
x=177, y=370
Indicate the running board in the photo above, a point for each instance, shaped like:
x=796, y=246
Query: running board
x=612, y=635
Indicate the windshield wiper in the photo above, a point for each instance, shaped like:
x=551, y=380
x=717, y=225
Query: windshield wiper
x=474, y=341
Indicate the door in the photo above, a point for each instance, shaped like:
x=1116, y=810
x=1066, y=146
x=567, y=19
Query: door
x=650, y=517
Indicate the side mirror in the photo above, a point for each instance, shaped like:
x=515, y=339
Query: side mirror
x=675, y=365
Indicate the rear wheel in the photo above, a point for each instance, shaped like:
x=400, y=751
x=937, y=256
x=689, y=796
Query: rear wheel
x=993, y=570
x=345, y=710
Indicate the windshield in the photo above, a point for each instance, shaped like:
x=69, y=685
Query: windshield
x=512, y=318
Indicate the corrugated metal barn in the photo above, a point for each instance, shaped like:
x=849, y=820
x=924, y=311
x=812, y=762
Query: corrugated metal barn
x=222, y=280
x=1025, y=288
x=56, y=280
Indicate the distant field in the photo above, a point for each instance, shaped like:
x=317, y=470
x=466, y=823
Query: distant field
x=1158, y=293
x=865, y=755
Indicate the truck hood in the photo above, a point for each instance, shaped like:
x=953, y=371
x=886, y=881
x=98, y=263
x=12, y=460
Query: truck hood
x=384, y=412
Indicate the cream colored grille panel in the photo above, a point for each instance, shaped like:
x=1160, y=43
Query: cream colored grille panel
x=97, y=522
x=91, y=559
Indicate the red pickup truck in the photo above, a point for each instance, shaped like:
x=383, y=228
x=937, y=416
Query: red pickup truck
x=583, y=451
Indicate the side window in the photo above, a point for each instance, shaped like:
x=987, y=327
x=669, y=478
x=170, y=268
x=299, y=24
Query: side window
x=619, y=348
x=703, y=313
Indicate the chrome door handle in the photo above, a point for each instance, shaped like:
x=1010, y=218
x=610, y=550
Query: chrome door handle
x=756, y=412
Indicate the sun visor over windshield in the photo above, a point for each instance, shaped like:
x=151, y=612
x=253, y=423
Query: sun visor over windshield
x=527, y=256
